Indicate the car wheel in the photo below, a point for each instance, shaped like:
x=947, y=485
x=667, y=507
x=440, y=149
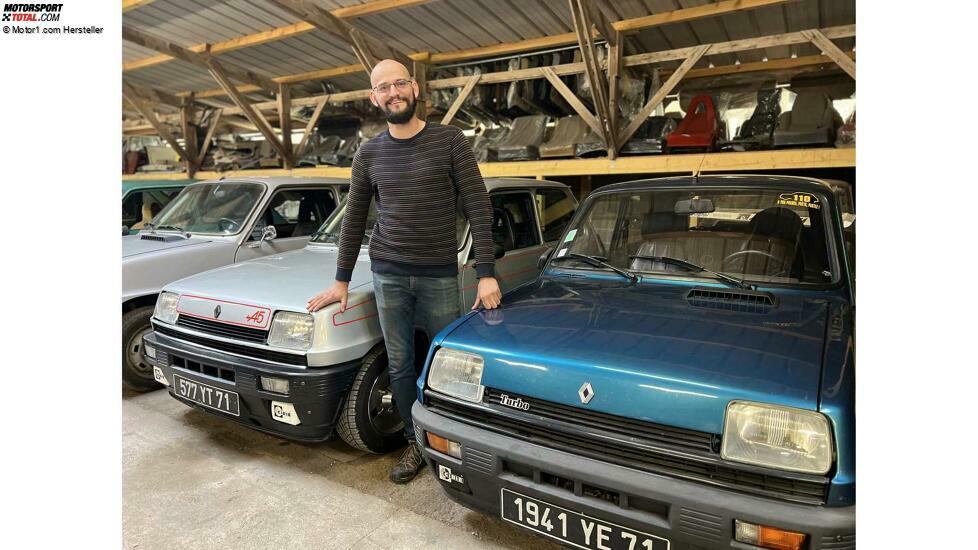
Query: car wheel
x=137, y=373
x=369, y=419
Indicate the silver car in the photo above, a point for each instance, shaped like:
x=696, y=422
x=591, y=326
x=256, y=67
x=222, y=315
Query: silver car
x=238, y=342
x=210, y=224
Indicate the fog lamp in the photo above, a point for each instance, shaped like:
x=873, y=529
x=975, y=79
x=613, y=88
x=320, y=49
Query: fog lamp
x=277, y=385
x=446, y=446
x=767, y=537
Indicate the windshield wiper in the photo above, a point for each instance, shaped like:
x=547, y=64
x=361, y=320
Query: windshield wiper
x=733, y=281
x=599, y=261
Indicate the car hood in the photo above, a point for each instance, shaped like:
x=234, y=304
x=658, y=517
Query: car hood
x=282, y=281
x=647, y=352
x=134, y=245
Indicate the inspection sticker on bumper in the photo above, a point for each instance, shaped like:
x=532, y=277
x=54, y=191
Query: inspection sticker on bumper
x=208, y=396
x=573, y=528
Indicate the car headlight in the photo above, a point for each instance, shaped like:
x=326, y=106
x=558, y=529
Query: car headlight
x=778, y=437
x=291, y=330
x=166, y=307
x=457, y=373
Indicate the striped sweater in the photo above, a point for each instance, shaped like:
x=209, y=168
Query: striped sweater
x=416, y=183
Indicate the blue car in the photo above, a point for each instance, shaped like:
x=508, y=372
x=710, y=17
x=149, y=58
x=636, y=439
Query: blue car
x=681, y=375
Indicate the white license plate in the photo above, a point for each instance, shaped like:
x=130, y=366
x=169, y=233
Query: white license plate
x=573, y=528
x=206, y=395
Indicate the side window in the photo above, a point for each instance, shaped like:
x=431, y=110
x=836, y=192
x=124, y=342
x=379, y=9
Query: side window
x=142, y=206
x=297, y=212
x=555, y=209
x=513, y=224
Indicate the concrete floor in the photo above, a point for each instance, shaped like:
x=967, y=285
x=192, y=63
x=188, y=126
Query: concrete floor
x=192, y=480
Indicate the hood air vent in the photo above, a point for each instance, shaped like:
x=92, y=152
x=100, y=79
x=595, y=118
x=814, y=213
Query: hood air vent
x=161, y=238
x=732, y=300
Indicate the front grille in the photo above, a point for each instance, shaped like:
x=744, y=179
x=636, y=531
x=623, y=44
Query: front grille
x=224, y=330
x=247, y=351
x=680, y=463
x=618, y=425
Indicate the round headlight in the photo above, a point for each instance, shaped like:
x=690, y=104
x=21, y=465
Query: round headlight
x=291, y=330
x=778, y=437
x=457, y=373
x=166, y=307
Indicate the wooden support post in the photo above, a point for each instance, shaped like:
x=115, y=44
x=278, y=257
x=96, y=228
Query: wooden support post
x=666, y=88
x=285, y=123
x=614, y=76
x=189, y=135
x=660, y=109
x=310, y=126
x=585, y=189
x=830, y=49
x=150, y=116
x=592, y=68
x=215, y=120
x=247, y=109
x=572, y=99
x=420, y=71
x=460, y=99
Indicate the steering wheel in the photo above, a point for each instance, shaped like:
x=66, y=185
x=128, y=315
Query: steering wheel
x=743, y=254
x=227, y=224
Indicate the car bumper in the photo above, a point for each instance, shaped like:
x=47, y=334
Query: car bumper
x=689, y=515
x=315, y=393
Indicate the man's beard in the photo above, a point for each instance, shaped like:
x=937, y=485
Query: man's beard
x=402, y=116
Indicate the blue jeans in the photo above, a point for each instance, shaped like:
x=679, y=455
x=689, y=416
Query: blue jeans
x=403, y=302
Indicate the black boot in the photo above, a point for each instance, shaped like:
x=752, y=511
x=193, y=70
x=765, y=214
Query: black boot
x=408, y=465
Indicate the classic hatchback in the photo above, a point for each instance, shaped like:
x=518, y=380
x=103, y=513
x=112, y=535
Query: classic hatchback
x=210, y=224
x=238, y=342
x=681, y=375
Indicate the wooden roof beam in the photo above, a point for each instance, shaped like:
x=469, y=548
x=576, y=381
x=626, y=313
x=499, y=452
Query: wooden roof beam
x=133, y=98
x=378, y=6
x=581, y=15
x=202, y=60
x=133, y=4
x=786, y=39
x=368, y=49
x=830, y=49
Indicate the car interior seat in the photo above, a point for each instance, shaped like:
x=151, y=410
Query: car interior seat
x=523, y=140
x=568, y=132
x=812, y=120
x=757, y=131
x=698, y=129
x=148, y=212
x=502, y=229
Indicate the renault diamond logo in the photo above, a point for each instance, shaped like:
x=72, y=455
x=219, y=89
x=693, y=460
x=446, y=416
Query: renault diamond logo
x=586, y=393
x=217, y=311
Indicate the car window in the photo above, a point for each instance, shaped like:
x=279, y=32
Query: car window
x=140, y=206
x=513, y=224
x=555, y=209
x=297, y=212
x=218, y=208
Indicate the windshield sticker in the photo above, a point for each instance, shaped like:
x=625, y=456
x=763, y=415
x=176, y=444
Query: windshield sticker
x=562, y=252
x=570, y=235
x=803, y=200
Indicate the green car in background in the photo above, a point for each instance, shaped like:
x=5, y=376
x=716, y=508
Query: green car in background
x=143, y=199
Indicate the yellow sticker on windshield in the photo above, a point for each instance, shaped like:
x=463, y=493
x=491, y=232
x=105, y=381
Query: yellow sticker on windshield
x=803, y=200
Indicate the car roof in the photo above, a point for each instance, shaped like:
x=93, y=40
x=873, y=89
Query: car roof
x=760, y=181
x=129, y=185
x=498, y=183
x=277, y=181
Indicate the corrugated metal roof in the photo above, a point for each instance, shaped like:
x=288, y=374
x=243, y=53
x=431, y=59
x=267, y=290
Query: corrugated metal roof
x=442, y=26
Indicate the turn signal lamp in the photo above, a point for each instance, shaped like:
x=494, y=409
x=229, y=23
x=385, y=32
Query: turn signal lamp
x=768, y=537
x=445, y=446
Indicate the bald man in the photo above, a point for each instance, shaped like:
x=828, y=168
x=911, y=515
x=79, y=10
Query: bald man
x=418, y=172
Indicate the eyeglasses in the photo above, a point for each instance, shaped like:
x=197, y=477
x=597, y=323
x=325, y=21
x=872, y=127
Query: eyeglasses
x=401, y=84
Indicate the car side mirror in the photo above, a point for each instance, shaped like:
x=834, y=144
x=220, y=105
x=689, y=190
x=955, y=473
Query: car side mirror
x=498, y=250
x=268, y=234
x=542, y=260
x=125, y=230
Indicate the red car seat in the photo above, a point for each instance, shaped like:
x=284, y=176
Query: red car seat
x=698, y=130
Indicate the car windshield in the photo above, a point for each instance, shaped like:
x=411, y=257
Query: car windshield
x=219, y=208
x=751, y=235
x=329, y=232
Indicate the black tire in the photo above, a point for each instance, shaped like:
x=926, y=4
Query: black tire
x=137, y=375
x=360, y=424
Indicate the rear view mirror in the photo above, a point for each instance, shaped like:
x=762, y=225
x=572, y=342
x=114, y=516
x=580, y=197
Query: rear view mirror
x=694, y=206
